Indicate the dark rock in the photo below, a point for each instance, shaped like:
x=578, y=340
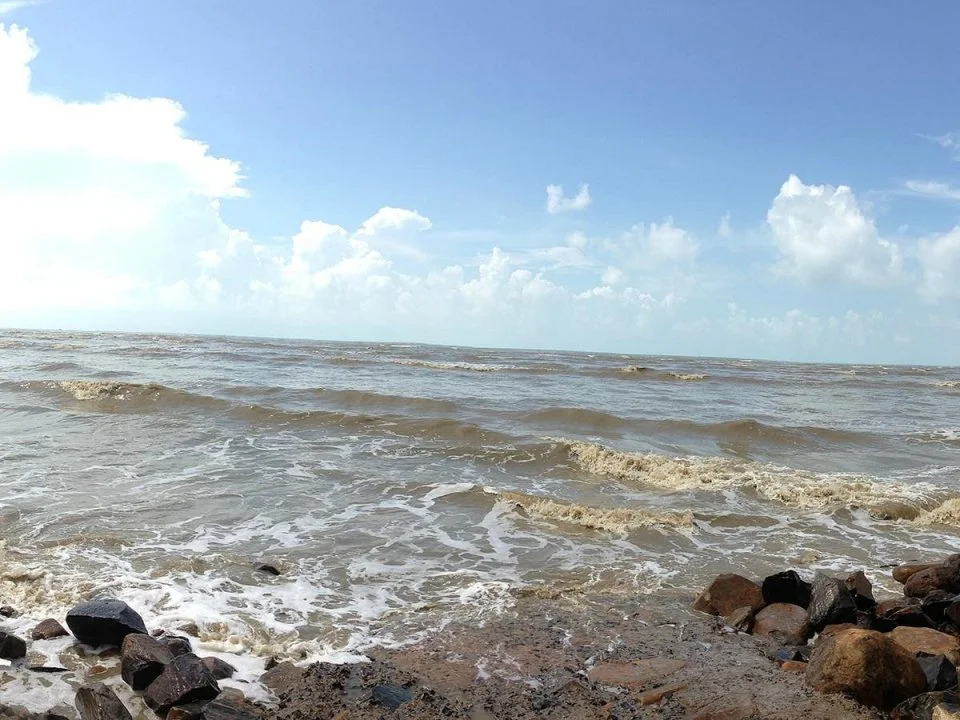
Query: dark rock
x=267, y=568
x=935, y=604
x=866, y=619
x=390, y=696
x=7, y=612
x=193, y=711
x=190, y=629
x=741, y=619
x=867, y=666
x=50, y=669
x=185, y=680
x=230, y=708
x=830, y=603
x=920, y=707
x=728, y=593
x=900, y=612
x=941, y=673
x=220, y=669
x=787, y=622
x=951, y=613
x=142, y=659
x=861, y=589
x=104, y=621
x=177, y=645
x=47, y=630
x=98, y=702
x=940, y=577
x=12, y=647
x=786, y=587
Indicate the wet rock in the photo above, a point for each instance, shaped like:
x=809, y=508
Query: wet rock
x=728, y=593
x=638, y=674
x=935, y=605
x=142, y=659
x=230, y=708
x=951, y=613
x=830, y=603
x=267, y=569
x=7, y=612
x=900, y=611
x=788, y=623
x=190, y=629
x=940, y=577
x=733, y=706
x=861, y=589
x=941, y=673
x=48, y=630
x=868, y=666
x=98, y=702
x=220, y=669
x=185, y=680
x=904, y=572
x=390, y=696
x=786, y=587
x=12, y=647
x=741, y=619
x=282, y=677
x=193, y=711
x=104, y=621
x=920, y=707
x=927, y=640
x=177, y=645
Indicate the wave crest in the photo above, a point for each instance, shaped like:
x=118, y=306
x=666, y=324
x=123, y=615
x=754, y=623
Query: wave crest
x=615, y=520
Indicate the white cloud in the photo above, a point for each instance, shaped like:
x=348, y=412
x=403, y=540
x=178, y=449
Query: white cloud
x=948, y=141
x=939, y=258
x=557, y=202
x=659, y=243
x=932, y=189
x=822, y=234
x=9, y=6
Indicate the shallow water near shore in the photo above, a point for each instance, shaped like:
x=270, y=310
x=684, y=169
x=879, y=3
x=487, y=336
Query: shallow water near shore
x=389, y=483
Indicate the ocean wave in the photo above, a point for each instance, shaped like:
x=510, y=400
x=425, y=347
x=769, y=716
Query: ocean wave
x=946, y=436
x=688, y=376
x=121, y=396
x=466, y=366
x=575, y=417
x=794, y=488
x=952, y=384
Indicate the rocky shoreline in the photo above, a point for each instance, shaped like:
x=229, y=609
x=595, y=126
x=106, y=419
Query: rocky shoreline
x=784, y=647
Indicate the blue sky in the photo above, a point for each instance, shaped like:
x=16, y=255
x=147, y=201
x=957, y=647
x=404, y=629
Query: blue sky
x=738, y=178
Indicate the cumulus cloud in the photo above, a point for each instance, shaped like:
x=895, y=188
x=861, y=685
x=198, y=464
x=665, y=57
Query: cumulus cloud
x=659, y=243
x=822, y=233
x=939, y=258
x=558, y=203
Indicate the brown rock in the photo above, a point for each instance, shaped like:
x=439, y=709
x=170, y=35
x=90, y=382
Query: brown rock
x=190, y=629
x=177, y=645
x=98, y=702
x=735, y=706
x=831, y=630
x=639, y=674
x=928, y=640
x=940, y=577
x=282, y=677
x=741, y=619
x=794, y=666
x=790, y=623
x=727, y=593
x=228, y=707
x=185, y=680
x=142, y=659
x=862, y=590
x=652, y=697
x=902, y=573
x=868, y=666
x=220, y=669
x=47, y=630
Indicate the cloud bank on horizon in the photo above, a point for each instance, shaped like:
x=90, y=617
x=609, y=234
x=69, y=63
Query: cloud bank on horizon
x=111, y=218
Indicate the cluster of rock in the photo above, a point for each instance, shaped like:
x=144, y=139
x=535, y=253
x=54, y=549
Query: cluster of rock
x=175, y=683
x=899, y=655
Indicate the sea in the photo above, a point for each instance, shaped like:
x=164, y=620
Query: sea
x=398, y=486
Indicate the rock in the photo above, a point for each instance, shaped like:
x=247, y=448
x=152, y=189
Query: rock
x=728, y=593
x=940, y=577
x=193, y=711
x=48, y=669
x=741, y=619
x=786, y=587
x=639, y=674
x=390, y=696
x=789, y=623
x=652, y=697
x=104, y=621
x=927, y=640
x=831, y=630
x=228, y=708
x=12, y=647
x=794, y=666
x=732, y=706
x=220, y=669
x=800, y=653
x=185, y=680
x=48, y=630
x=98, y=702
x=190, y=629
x=920, y=707
x=941, y=673
x=946, y=711
x=7, y=612
x=267, y=568
x=868, y=666
x=861, y=589
x=830, y=603
x=142, y=659
x=951, y=613
x=282, y=677
x=900, y=611
x=904, y=572
x=177, y=645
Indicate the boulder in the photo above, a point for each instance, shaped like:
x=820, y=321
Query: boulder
x=48, y=630
x=786, y=622
x=741, y=619
x=944, y=577
x=185, y=680
x=904, y=572
x=220, y=669
x=98, y=702
x=7, y=611
x=861, y=589
x=920, y=707
x=830, y=603
x=927, y=640
x=12, y=647
x=900, y=611
x=951, y=613
x=935, y=605
x=193, y=711
x=229, y=708
x=941, y=673
x=786, y=587
x=178, y=645
x=104, y=621
x=728, y=593
x=142, y=659
x=868, y=666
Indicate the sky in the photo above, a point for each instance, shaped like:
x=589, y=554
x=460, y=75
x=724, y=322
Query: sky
x=748, y=179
